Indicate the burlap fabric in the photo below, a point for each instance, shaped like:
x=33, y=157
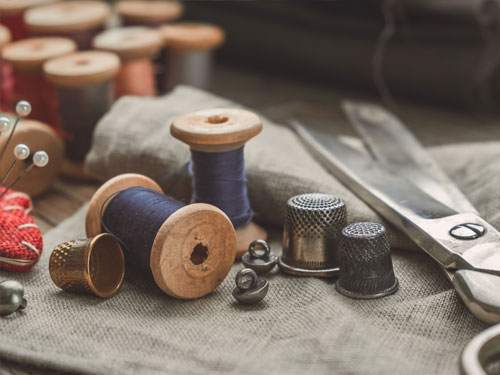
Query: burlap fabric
x=304, y=326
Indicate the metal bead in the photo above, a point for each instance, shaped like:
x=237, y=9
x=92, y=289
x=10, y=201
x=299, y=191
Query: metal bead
x=23, y=108
x=21, y=151
x=5, y=124
x=250, y=291
x=40, y=159
x=11, y=297
x=261, y=262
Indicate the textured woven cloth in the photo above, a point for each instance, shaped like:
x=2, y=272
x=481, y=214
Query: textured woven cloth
x=303, y=325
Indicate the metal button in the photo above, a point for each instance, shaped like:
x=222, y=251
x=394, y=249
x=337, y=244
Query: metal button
x=262, y=261
x=250, y=289
x=467, y=231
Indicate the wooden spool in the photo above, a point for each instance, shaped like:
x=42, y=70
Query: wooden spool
x=37, y=136
x=81, y=71
x=5, y=36
x=219, y=130
x=194, y=249
x=192, y=36
x=78, y=20
x=136, y=46
x=151, y=13
x=11, y=15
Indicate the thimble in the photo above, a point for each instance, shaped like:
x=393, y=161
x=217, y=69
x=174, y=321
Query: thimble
x=94, y=266
x=311, y=235
x=365, y=262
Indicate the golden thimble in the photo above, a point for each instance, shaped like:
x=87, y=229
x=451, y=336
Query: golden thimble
x=94, y=265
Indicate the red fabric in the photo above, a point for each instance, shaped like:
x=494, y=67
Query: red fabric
x=20, y=247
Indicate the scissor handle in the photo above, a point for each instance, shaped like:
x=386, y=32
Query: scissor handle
x=481, y=351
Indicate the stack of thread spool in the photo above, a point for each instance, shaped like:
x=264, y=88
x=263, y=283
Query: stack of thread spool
x=12, y=15
x=80, y=21
x=188, y=55
x=153, y=15
x=136, y=47
x=6, y=79
x=27, y=58
x=217, y=138
x=84, y=86
x=189, y=250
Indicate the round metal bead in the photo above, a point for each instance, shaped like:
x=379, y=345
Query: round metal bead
x=11, y=297
x=250, y=289
x=260, y=261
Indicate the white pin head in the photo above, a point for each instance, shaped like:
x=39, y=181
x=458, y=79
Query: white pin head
x=23, y=108
x=5, y=124
x=21, y=151
x=40, y=159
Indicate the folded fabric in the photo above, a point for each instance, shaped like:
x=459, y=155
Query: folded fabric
x=302, y=327
x=135, y=137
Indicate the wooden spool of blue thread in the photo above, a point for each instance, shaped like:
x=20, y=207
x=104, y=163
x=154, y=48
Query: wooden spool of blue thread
x=220, y=130
x=190, y=233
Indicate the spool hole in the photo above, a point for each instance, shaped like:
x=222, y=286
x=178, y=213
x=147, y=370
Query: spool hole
x=82, y=62
x=215, y=120
x=199, y=254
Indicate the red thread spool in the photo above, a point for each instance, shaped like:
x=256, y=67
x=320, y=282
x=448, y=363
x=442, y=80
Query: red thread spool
x=27, y=58
x=136, y=47
x=151, y=13
x=6, y=79
x=80, y=21
x=188, y=56
x=12, y=12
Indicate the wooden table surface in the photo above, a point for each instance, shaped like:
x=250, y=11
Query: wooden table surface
x=279, y=99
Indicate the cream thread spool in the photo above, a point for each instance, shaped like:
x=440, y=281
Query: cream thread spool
x=12, y=15
x=27, y=58
x=220, y=130
x=136, y=46
x=80, y=21
x=85, y=93
x=152, y=13
x=188, y=53
x=198, y=231
x=37, y=136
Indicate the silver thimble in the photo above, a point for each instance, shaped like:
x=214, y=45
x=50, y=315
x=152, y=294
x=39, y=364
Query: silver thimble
x=365, y=262
x=311, y=235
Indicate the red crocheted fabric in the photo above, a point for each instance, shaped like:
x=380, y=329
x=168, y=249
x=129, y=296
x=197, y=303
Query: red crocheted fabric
x=20, y=239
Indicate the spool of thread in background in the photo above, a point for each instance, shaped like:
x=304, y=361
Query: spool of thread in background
x=189, y=50
x=136, y=47
x=6, y=76
x=217, y=138
x=12, y=15
x=80, y=21
x=189, y=250
x=84, y=86
x=151, y=14
x=27, y=58
x=37, y=136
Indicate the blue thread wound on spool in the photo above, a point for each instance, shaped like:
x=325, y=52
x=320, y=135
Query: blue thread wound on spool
x=135, y=216
x=219, y=179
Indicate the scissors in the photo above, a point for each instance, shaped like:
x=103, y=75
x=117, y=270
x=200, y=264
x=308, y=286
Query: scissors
x=402, y=182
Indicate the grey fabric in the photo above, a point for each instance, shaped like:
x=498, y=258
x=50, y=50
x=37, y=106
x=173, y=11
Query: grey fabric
x=304, y=325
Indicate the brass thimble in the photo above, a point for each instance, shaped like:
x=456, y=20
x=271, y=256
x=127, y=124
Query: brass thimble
x=94, y=265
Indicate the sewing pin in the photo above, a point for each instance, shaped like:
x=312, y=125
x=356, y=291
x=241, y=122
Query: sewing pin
x=23, y=109
x=40, y=160
x=21, y=152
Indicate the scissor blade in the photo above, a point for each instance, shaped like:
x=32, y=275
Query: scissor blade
x=397, y=149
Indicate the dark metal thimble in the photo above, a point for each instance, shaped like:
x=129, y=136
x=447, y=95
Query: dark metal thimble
x=311, y=235
x=365, y=262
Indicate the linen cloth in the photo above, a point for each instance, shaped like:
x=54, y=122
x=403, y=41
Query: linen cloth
x=303, y=325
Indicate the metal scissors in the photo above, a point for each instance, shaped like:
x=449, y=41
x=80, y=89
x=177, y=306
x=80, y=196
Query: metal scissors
x=407, y=187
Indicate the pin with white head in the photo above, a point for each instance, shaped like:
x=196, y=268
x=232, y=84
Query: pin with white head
x=23, y=109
